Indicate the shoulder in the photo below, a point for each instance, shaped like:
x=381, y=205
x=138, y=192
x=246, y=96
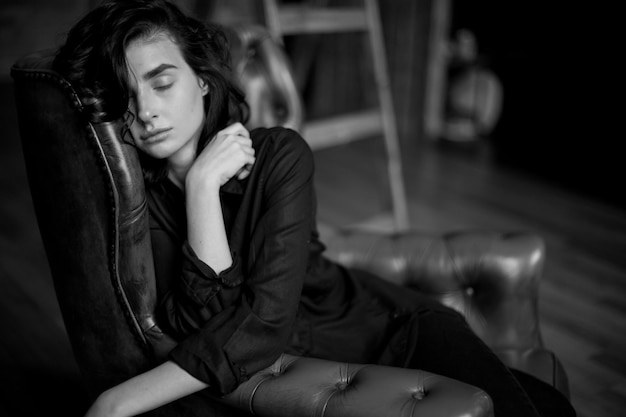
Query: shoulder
x=282, y=145
x=280, y=137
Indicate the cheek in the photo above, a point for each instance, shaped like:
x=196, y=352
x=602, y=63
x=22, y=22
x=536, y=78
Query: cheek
x=199, y=106
x=194, y=96
x=133, y=135
x=195, y=112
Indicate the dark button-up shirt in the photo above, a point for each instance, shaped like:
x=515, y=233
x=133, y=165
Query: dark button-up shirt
x=279, y=295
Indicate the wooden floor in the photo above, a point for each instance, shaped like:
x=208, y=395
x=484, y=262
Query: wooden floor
x=583, y=292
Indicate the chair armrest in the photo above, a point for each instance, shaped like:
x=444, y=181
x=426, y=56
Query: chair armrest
x=491, y=278
x=298, y=386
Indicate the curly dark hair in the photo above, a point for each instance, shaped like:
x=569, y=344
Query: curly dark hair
x=93, y=60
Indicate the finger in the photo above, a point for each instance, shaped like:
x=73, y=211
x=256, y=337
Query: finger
x=248, y=150
x=244, y=145
x=236, y=129
x=244, y=172
x=242, y=140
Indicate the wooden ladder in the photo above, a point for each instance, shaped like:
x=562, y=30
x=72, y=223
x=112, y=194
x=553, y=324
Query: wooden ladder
x=297, y=19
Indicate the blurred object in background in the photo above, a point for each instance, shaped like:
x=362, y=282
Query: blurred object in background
x=473, y=101
x=266, y=77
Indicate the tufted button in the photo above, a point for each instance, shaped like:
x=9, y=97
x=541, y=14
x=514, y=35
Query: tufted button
x=469, y=291
x=419, y=393
x=341, y=385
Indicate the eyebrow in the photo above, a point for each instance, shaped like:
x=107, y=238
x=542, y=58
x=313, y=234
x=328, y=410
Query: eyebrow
x=158, y=70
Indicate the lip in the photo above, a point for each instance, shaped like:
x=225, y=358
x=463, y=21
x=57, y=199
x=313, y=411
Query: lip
x=156, y=135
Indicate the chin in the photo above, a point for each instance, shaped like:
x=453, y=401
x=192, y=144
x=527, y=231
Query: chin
x=156, y=152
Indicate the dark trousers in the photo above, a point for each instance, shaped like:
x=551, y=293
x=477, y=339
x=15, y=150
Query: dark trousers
x=445, y=345
x=430, y=336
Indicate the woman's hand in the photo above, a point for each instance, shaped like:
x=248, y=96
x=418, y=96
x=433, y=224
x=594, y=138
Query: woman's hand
x=229, y=154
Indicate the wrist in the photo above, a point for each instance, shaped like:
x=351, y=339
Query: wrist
x=206, y=185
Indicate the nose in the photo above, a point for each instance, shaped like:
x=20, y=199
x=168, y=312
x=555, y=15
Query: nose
x=146, y=109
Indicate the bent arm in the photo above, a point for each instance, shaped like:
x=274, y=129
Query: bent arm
x=225, y=156
x=247, y=311
x=147, y=391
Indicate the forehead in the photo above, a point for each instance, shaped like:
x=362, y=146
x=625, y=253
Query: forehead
x=145, y=54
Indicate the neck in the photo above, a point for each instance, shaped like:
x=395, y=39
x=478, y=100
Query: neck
x=177, y=177
x=178, y=166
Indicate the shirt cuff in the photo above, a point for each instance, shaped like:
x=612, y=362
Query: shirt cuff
x=201, y=283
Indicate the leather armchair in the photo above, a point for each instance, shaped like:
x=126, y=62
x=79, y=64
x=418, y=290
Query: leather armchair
x=88, y=193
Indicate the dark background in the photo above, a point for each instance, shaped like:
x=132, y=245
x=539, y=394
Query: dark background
x=558, y=62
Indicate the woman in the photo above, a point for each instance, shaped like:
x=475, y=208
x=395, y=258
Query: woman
x=241, y=276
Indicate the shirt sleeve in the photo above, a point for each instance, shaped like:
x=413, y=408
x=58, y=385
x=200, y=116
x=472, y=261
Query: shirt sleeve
x=241, y=319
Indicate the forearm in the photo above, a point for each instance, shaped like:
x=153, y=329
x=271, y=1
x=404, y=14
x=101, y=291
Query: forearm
x=205, y=228
x=145, y=392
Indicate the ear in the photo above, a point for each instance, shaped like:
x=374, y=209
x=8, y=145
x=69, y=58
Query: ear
x=203, y=86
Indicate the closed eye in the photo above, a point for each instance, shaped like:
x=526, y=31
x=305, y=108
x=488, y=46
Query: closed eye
x=163, y=87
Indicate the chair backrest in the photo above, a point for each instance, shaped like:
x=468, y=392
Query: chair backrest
x=88, y=194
